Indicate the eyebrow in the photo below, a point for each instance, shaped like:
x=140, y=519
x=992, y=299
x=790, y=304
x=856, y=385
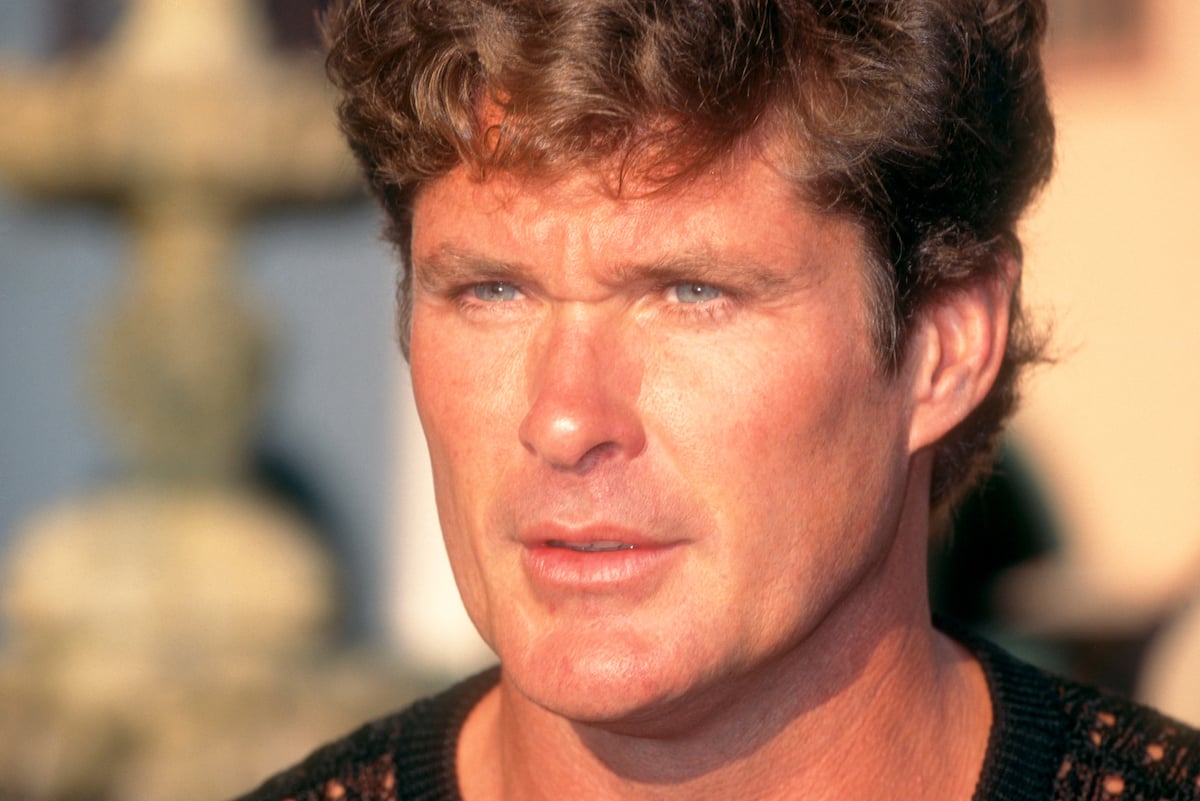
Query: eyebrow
x=451, y=266
x=746, y=274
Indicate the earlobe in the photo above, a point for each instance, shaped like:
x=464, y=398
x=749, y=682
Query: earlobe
x=958, y=351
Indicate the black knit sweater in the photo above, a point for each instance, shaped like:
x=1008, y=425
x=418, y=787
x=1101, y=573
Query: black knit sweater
x=1051, y=740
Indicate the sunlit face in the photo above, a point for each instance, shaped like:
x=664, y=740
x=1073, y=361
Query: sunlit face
x=662, y=445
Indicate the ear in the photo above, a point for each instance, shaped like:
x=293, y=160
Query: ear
x=957, y=352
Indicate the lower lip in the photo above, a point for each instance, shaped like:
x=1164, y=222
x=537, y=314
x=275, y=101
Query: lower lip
x=597, y=571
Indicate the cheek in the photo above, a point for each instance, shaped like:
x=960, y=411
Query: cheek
x=456, y=401
x=464, y=385
x=444, y=393
x=779, y=439
x=749, y=402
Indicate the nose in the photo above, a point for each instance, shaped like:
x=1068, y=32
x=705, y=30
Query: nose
x=584, y=386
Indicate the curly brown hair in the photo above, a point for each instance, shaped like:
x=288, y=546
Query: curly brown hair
x=926, y=121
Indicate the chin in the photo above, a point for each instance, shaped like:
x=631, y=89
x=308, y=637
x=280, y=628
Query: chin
x=619, y=679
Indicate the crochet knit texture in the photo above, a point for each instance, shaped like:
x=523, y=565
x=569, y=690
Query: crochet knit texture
x=1051, y=740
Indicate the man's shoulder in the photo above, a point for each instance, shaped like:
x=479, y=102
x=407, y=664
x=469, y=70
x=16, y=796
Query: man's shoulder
x=1117, y=748
x=1085, y=743
x=407, y=754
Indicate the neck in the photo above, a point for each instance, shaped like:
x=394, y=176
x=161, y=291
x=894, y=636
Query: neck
x=874, y=702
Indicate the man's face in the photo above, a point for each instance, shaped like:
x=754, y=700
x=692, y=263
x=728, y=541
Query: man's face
x=662, y=446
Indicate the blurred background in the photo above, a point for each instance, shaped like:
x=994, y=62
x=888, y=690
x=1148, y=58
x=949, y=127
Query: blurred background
x=217, y=546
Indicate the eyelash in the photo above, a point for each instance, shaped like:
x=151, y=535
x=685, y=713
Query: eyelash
x=691, y=286
x=467, y=299
x=499, y=286
x=715, y=308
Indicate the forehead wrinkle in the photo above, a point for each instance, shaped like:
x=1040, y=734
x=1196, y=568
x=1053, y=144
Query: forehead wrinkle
x=566, y=235
x=563, y=232
x=664, y=262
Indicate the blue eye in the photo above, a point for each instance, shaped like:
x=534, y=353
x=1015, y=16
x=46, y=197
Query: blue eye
x=695, y=293
x=494, y=291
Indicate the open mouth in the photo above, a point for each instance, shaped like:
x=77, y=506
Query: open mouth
x=601, y=546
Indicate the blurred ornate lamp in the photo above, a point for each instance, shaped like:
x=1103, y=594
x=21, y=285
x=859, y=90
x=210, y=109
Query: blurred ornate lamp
x=127, y=607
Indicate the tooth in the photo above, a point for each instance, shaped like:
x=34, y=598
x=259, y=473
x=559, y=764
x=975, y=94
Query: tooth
x=604, y=546
x=591, y=547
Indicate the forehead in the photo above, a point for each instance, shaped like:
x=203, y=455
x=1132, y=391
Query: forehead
x=745, y=208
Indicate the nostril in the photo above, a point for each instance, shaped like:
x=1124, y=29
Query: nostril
x=596, y=455
x=575, y=433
